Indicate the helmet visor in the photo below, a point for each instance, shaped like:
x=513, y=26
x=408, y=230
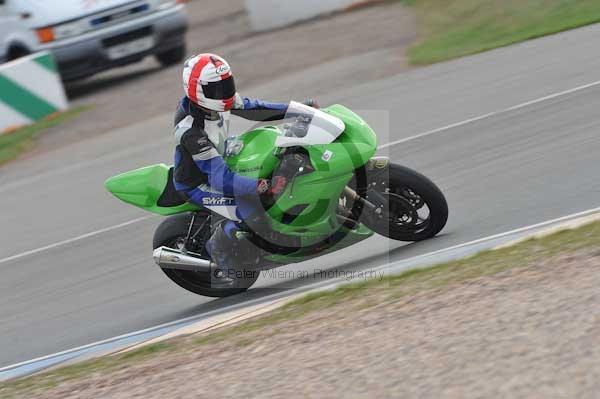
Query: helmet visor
x=219, y=90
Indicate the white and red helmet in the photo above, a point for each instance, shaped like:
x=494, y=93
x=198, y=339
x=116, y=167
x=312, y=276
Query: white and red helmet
x=208, y=82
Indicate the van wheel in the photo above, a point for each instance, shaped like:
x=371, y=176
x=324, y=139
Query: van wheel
x=16, y=52
x=173, y=56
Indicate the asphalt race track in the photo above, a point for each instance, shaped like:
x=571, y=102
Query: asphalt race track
x=501, y=169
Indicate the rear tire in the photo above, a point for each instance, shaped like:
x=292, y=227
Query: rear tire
x=174, y=230
x=172, y=57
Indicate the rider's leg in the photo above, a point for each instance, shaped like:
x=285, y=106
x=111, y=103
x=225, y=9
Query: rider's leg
x=226, y=247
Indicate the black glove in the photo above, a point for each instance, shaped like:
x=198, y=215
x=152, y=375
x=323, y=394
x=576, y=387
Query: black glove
x=312, y=103
x=263, y=186
x=273, y=187
x=270, y=190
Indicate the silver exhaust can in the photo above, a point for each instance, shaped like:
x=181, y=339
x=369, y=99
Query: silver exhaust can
x=169, y=258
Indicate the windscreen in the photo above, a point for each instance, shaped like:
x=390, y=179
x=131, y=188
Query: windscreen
x=309, y=126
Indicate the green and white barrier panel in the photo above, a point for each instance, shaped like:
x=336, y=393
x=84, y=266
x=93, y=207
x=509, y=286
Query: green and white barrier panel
x=30, y=90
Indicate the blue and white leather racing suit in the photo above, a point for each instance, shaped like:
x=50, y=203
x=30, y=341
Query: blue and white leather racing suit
x=200, y=170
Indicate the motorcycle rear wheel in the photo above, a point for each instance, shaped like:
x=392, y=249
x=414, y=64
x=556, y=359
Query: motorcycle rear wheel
x=171, y=233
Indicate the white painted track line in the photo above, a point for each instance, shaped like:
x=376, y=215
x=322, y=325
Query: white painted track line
x=74, y=239
x=392, y=143
x=505, y=234
x=491, y=114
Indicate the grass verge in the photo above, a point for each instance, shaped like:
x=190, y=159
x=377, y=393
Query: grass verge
x=454, y=28
x=363, y=295
x=15, y=143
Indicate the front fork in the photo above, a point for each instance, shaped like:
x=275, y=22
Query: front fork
x=373, y=180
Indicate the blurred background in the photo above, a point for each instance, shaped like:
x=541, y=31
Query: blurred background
x=111, y=53
x=261, y=51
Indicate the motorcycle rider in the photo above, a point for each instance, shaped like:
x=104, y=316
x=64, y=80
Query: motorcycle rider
x=201, y=174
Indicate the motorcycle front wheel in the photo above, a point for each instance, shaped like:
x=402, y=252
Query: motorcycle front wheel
x=414, y=208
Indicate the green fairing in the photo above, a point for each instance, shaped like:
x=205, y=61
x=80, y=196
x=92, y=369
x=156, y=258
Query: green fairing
x=350, y=237
x=257, y=159
x=318, y=192
x=143, y=188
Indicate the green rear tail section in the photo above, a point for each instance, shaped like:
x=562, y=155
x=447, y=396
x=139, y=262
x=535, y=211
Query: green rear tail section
x=144, y=187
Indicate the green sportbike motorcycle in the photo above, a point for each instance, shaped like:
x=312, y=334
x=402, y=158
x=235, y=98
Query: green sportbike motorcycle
x=338, y=194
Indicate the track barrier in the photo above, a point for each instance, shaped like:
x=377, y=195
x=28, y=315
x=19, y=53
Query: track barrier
x=30, y=89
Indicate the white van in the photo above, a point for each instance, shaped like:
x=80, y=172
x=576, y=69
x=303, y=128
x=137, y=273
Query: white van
x=89, y=36
x=12, y=32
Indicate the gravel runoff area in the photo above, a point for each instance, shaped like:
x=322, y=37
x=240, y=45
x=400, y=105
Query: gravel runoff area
x=364, y=44
x=529, y=331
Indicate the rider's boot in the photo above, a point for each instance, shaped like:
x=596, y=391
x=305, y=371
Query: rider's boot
x=232, y=251
x=221, y=249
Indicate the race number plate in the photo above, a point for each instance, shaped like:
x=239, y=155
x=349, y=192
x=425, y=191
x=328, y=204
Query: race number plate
x=129, y=48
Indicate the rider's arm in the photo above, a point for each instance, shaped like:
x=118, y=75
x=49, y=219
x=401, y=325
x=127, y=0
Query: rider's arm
x=258, y=110
x=211, y=163
x=263, y=111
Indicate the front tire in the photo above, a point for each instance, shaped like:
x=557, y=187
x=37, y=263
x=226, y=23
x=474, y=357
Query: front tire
x=171, y=233
x=409, y=195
